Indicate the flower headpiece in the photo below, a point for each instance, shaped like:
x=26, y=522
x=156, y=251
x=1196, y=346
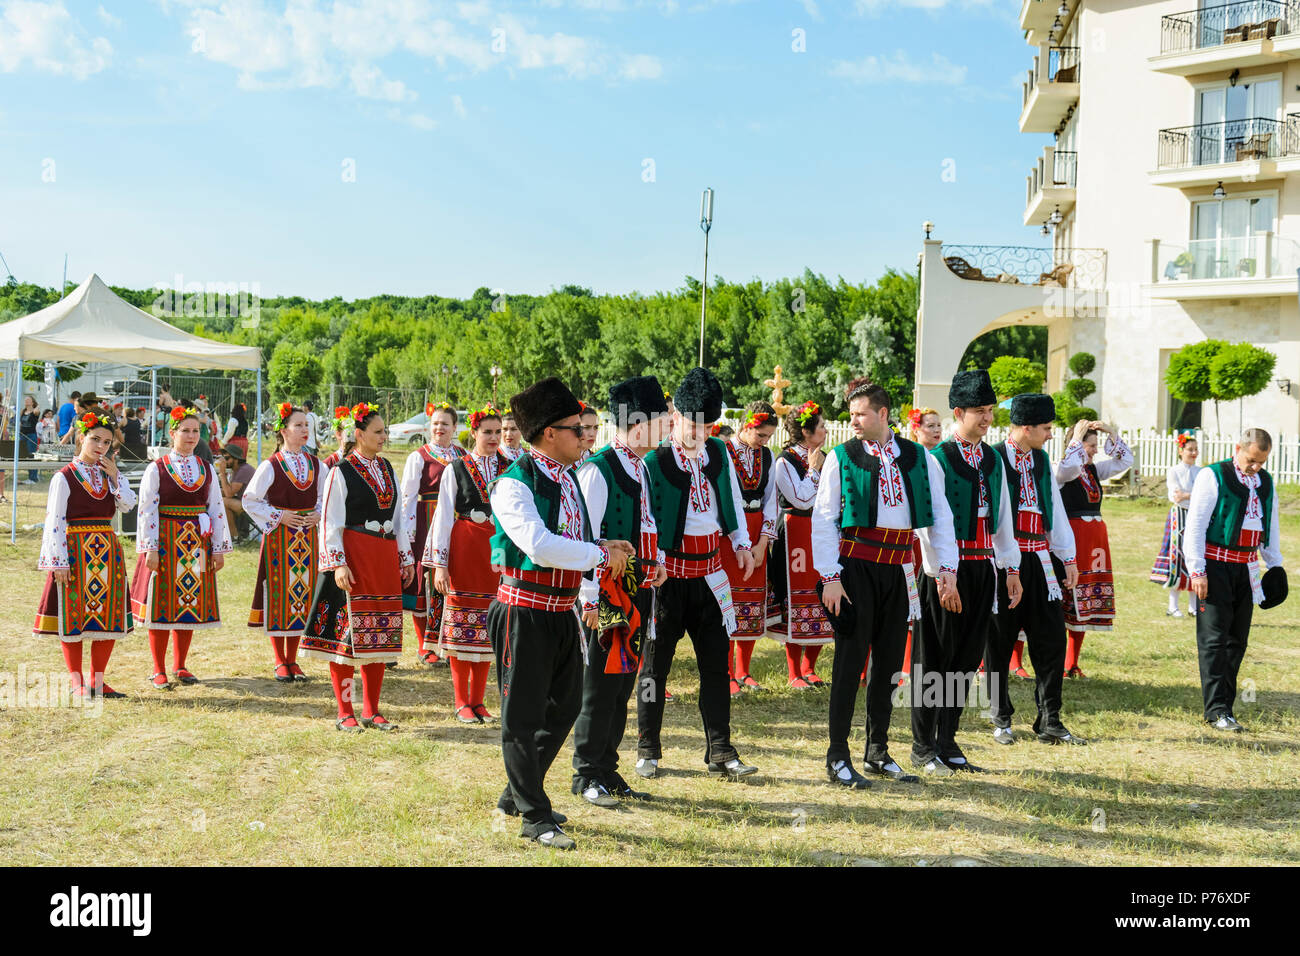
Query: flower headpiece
x=179, y=415
x=715, y=430
x=1184, y=438
x=476, y=418
x=756, y=420
x=916, y=414
x=807, y=412
x=342, y=418
x=285, y=410
x=432, y=407
x=93, y=420
x=359, y=411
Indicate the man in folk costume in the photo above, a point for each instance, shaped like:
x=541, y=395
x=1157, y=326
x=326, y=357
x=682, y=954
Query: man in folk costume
x=421, y=481
x=876, y=492
x=1231, y=523
x=1047, y=564
x=543, y=542
x=951, y=642
x=618, y=614
x=697, y=503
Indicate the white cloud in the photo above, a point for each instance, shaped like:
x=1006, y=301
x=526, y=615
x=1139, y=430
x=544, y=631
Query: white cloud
x=107, y=18
x=418, y=120
x=369, y=82
x=44, y=36
x=810, y=8
x=641, y=67
x=458, y=106
x=899, y=69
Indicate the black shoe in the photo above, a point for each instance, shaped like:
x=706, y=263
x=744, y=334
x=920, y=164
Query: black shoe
x=1228, y=723
x=962, y=765
x=1057, y=735
x=616, y=785
x=506, y=805
x=555, y=838
x=887, y=768
x=598, y=795
x=286, y=677
x=647, y=768
x=933, y=767
x=732, y=769
x=853, y=780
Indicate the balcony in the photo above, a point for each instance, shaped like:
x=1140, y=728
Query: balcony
x=1050, y=185
x=1260, y=265
x=1243, y=150
x=1037, y=17
x=1228, y=36
x=1051, y=88
x=1028, y=266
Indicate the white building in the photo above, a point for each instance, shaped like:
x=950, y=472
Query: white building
x=1172, y=172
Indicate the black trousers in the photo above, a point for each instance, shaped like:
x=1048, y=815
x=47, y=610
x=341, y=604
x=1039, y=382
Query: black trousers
x=539, y=674
x=947, y=656
x=687, y=604
x=603, y=718
x=878, y=593
x=1222, y=627
x=1043, y=622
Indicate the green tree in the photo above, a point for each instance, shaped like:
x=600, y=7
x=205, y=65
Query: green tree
x=1239, y=371
x=1013, y=375
x=294, y=373
x=1188, y=375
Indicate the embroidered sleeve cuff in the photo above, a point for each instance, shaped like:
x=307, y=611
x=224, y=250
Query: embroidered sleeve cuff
x=406, y=557
x=1068, y=561
x=331, y=559
x=944, y=569
x=828, y=578
x=1015, y=570
x=604, y=556
x=52, y=564
x=1198, y=574
x=438, y=560
x=588, y=607
x=769, y=530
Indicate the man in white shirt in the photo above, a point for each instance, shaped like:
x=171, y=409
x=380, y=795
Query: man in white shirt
x=313, y=420
x=877, y=492
x=1047, y=563
x=1231, y=522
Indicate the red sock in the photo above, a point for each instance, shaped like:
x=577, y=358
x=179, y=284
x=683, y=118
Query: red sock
x=372, y=679
x=478, y=678
x=793, y=656
x=907, y=654
x=419, y=622
x=341, y=676
x=460, y=671
x=99, y=654
x=1017, y=654
x=1073, y=644
x=181, y=649
x=810, y=653
x=72, y=657
x=158, y=650
x=277, y=648
x=291, y=650
x=744, y=653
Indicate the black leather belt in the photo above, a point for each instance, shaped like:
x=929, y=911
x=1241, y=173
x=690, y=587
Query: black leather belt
x=691, y=556
x=362, y=529
x=536, y=588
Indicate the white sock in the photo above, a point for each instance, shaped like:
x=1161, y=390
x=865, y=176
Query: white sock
x=841, y=768
x=1173, y=601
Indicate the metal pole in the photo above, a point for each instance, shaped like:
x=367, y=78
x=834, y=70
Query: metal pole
x=704, y=295
x=18, y=389
x=259, y=413
x=153, y=408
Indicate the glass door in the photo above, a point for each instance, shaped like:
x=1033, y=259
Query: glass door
x=1207, y=139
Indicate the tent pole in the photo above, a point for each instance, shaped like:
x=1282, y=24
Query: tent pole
x=259, y=414
x=153, y=409
x=15, y=430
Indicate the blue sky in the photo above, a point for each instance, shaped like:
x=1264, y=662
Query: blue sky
x=502, y=144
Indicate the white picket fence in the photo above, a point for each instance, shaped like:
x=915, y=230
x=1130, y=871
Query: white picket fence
x=1154, y=452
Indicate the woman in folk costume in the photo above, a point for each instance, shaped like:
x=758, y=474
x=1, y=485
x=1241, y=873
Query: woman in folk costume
x=236, y=432
x=343, y=429
x=1170, y=570
x=512, y=442
x=421, y=479
x=1090, y=604
x=365, y=562
x=805, y=629
x=459, y=551
x=85, y=596
x=590, y=431
x=284, y=498
x=182, y=540
x=753, y=463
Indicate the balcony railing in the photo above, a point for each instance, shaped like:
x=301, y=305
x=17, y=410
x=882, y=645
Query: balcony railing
x=1261, y=256
x=1064, y=164
x=1054, y=168
x=1027, y=265
x=1227, y=23
x=1063, y=64
x=1233, y=141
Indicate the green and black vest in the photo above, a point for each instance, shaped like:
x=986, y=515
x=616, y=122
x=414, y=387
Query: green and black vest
x=961, y=486
x=860, y=480
x=1042, y=481
x=546, y=495
x=1230, y=509
x=670, y=489
x=622, y=518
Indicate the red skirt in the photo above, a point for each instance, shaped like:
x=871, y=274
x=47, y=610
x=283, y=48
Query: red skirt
x=749, y=597
x=806, y=618
x=365, y=626
x=463, y=634
x=1090, y=606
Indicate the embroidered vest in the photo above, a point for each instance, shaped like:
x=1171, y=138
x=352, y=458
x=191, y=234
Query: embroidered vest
x=1081, y=498
x=363, y=502
x=470, y=495
x=752, y=491
x=961, y=486
x=800, y=467
x=1230, y=509
x=622, y=518
x=670, y=489
x=860, y=480
x=546, y=496
x=1042, y=481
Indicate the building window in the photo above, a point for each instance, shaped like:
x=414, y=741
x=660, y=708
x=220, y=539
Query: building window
x=1228, y=236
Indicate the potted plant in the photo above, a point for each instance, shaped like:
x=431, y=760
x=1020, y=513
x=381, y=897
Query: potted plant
x=1184, y=262
x=1246, y=267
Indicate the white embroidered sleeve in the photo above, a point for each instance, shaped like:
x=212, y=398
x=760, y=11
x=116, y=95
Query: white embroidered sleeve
x=1205, y=495
x=1061, y=537
x=411, y=487
x=437, y=545
x=771, y=507
x=54, y=538
x=1120, y=460
x=336, y=515
x=122, y=492
x=826, y=520
x=221, y=543
x=595, y=492
x=740, y=537
x=1071, y=465
x=514, y=508
x=939, y=541
x=254, y=498
x=146, y=537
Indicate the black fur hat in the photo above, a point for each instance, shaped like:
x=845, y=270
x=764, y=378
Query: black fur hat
x=543, y=404
x=1032, y=408
x=636, y=400
x=1274, y=586
x=699, y=396
x=971, y=389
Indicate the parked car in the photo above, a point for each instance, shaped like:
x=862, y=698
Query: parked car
x=411, y=432
x=126, y=386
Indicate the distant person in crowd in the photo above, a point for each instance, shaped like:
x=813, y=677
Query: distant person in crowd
x=512, y=443
x=165, y=399
x=925, y=427
x=234, y=473
x=46, y=427
x=1170, y=570
x=67, y=412
x=27, y=430
x=313, y=422
x=590, y=429
x=236, y=432
x=133, y=435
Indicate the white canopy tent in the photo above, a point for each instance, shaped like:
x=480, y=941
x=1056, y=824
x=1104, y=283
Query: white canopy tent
x=94, y=324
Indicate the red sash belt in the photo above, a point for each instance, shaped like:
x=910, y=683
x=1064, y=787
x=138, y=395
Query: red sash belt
x=981, y=547
x=696, y=557
x=877, y=545
x=552, y=589
x=1030, y=534
x=1244, y=553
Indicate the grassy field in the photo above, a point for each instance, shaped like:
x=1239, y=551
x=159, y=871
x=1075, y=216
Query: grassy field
x=242, y=770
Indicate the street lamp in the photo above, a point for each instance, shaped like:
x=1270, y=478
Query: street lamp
x=706, y=223
x=495, y=372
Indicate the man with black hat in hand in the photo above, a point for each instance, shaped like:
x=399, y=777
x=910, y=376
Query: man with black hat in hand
x=1047, y=564
x=543, y=543
x=1231, y=523
x=952, y=642
x=618, y=614
x=877, y=492
x=697, y=504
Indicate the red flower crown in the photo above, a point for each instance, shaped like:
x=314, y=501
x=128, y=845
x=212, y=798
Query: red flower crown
x=431, y=407
x=342, y=417
x=807, y=411
x=915, y=415
x=756, y=420
x=359, y=411
x=715, y=430
x=1184, y=438
x=476, y=418
x=285, y=410
x=179, y=415
x=91, y=420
